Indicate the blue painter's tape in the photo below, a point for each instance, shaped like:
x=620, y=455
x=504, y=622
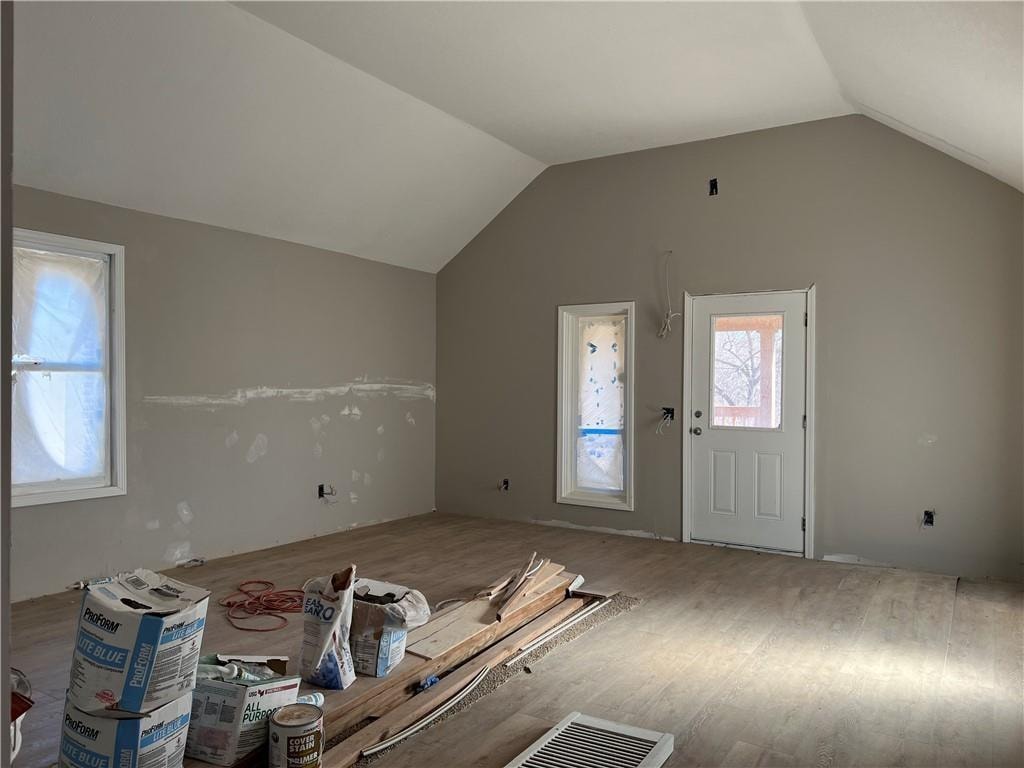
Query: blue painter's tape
x=600, y=431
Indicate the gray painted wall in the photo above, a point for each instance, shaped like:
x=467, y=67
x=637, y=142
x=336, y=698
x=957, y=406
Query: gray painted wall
x=918, y=263
x=210, y=310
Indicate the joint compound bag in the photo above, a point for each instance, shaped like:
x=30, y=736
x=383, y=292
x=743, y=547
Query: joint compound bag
x=325, y=659
x=155, y=740
x=137, y=643
x=382, y=615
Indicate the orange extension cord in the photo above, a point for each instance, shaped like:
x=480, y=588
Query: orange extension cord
x=258, y=597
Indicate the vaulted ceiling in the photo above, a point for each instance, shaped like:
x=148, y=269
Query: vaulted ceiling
x=396, y=131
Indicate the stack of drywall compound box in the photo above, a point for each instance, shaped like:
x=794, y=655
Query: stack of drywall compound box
x=132, y=674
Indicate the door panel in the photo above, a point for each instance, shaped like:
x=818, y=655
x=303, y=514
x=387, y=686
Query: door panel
x=747, y=420
x=768, y=485
x=723, y=480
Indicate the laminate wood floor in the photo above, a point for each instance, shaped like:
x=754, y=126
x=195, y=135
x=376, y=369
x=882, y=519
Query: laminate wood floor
x=749, y=659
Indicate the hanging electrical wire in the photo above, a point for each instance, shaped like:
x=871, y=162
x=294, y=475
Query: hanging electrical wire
x=666, y=326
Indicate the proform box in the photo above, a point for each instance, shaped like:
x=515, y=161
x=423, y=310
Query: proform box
x=154, y=740
x=230, y=717
x=382, y=615
x=137, y=644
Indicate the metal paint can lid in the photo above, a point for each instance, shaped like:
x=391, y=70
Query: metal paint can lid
x=297, y=714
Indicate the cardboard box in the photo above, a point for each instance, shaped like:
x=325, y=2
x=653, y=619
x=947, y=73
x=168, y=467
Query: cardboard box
x=155, y=740
x=137, y=643
x=382, y=614
x=230, y=717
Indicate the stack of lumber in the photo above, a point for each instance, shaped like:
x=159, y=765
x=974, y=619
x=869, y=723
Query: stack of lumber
x=455, y=645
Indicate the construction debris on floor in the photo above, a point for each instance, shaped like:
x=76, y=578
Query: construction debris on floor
x=374, y=665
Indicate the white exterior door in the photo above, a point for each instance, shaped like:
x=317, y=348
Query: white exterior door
x=747, y=426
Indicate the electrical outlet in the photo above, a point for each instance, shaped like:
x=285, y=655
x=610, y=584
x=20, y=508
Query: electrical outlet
x=928, y=518
x=504, y=485
x=324, y=491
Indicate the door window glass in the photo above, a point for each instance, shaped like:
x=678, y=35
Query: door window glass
x=746, y=375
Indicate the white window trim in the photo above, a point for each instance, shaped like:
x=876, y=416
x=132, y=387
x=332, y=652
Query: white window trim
x=568, y=400
x=50, y=493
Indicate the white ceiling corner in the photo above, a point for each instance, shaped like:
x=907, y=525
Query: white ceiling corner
x=569, y=81
x=949, y=74
x=201, y=111
x=396, y=131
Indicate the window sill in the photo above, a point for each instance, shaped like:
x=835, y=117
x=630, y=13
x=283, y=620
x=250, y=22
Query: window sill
x=66, y=494
x=598, y=500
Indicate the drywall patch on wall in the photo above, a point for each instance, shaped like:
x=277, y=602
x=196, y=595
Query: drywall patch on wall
x=185, y=512
x=189, y=294
x=258, y=449
x=401, y=389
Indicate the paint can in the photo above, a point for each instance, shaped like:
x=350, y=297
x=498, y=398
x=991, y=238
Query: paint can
x=297, y=736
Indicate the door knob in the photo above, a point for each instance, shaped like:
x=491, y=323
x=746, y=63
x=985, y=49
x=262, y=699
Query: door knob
x=697, y=431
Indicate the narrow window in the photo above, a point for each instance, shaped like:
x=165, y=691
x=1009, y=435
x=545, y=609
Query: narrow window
x=67, y=439
x=595, y=409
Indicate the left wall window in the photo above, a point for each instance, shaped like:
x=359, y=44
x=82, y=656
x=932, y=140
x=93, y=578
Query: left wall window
x=68, y=403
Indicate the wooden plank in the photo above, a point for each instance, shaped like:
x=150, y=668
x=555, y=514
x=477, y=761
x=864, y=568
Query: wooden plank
x=604, y=594
x=521, y=574
x=348, y=752
x=497, y=587
x=474, y=617
x=523, y=594
x=373, y=697
x=437, y=622
x=478, y=617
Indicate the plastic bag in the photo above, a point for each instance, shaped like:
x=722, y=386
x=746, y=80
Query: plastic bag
x=382, y=615
x=409, y=611
x=325, y=659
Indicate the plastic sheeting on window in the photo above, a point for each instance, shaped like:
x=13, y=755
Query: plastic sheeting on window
x=602, y=403
x=60, y=346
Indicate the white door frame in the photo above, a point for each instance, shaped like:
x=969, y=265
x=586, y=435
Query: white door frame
x=687, y=489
